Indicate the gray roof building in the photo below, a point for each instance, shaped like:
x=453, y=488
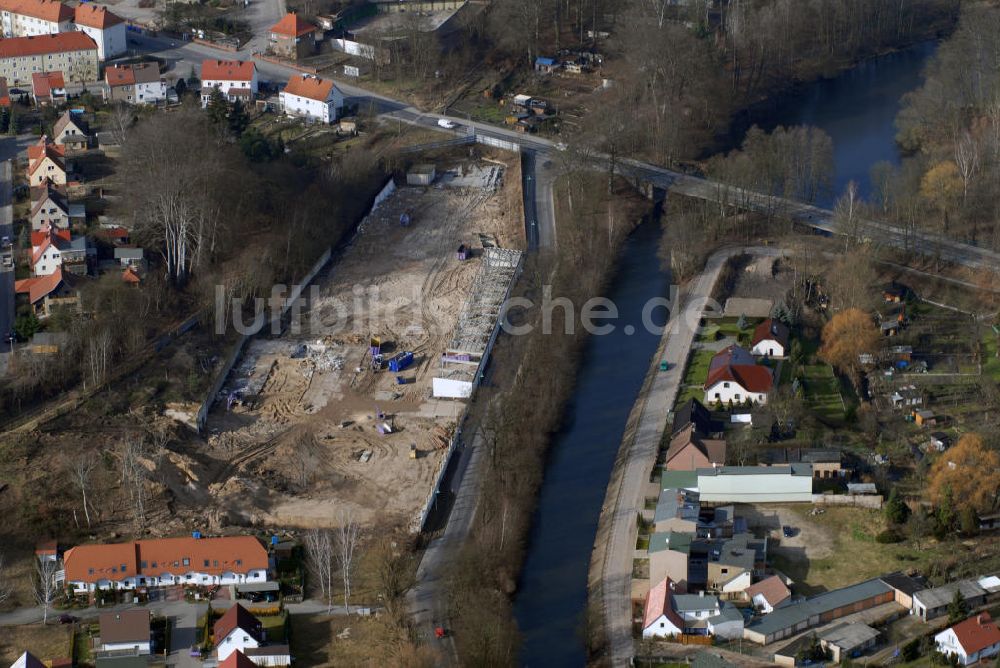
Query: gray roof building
x=931, y=603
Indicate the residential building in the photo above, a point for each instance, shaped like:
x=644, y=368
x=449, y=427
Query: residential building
x=234, y=79
x=768, y=594
x=292, y=37
x=791, y=619
x=237, y=630
x=669, y=554
x=166, y=561
x=45, y=293
x=734, y=379
x=55, y=249
x=970, y=641
x=26, y=18
x=237, y=660
x=49, y=209
x=770, y=339
x=138, y=83
x=46, y=162
x=545, y=65
x=677, y=510
x=48, y=88
x=690, y=451
x=755, y=484
x=692, y=413
x=108, y=30
x=669, y=613
x=825, y=463
x=907, y=396
x=72, y=53
x=931, y=603
x=309, y=96
x=129, y=257
x=733, y=563
x=125, y=630
x=71, y=131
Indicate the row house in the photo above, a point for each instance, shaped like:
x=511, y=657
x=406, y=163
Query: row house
x=72, y=53
x=138, y=83
x=165, y=562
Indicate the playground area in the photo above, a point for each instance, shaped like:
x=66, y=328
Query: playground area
x=341, y=417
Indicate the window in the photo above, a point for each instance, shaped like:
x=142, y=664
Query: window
x=186, y=561
x=725, y=385
x=90, y=571
x=206, y=563
x=124, y=568
x=239, y=562
x=215, y=563
x=154, y=564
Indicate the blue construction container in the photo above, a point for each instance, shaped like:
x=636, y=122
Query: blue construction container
x=400, y=362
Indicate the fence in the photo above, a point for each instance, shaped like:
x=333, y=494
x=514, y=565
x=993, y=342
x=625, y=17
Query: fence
x=445, y=143
x=496, y=142
x=873, y=501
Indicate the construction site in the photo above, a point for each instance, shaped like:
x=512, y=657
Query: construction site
x=356, y=412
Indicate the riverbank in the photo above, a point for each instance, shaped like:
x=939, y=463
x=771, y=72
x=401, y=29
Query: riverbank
x=610, y=577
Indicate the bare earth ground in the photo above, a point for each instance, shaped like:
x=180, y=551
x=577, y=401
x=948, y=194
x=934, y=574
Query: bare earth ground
x=305, y=446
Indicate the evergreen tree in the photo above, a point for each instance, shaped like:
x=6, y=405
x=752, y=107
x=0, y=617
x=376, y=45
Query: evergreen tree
x=238, y=119
x=742, y=322
x=180, y=87
x=896, y=510
x=12, y=119
x=957, y=609
x=217, y=108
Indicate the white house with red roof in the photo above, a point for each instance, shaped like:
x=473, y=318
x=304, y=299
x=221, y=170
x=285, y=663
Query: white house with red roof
x=770, y=339
x=237, y=630
x=235, y=79
x=164, y=562
x=46, y=163
x=108, y=30
x=309, y=96
x=973, y=640
x=660, y=619
x=136, y=83
x=26, y=18
x=48, y=88
x=734, y=377
x=669, y=613
x=768, y=594
x=52, y=249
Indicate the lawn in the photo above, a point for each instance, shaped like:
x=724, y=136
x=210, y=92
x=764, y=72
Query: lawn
x=697, y=367
x=274, y=625
x=991, y=363
x=822, y=391
x=45, y=642
x=318, y=640
x=854, y=555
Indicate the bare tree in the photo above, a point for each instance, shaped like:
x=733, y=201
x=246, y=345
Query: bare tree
x=967, y=160
x=81, y=469
x=347, y=541
x=6, y=589
x=848, y=214
x=44, y=585
x=319, y=559
x=98, y=356
x=134, y=477
x=120, y=120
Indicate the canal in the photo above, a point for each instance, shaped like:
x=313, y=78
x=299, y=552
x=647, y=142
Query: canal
x=857, y=109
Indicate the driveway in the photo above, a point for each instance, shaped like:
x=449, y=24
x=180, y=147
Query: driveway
x=184, y=632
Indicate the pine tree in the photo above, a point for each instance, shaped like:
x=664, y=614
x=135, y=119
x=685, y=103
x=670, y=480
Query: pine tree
x=896, y=510
x=238, y=119
x=957, y=609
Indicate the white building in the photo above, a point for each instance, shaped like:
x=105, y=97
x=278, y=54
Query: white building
x=28, y=18
x=309, y=96
x=166, y=561
x=138, y=83
x=108, y=30
x=236, y=630
x=973, y=640
x=235, y=79
x=52, y=249
x=756, y=484
x=671, y=614
x=735, y=378
x=770, y=339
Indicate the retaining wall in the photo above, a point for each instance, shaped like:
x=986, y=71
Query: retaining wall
x=873, y=501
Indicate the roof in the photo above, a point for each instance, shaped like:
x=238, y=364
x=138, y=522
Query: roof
x=237, y=660
x=125, y=253
x=269, y=650
x=47, y=10
x=990, y=583
x=227, y=70
x=43, y=44
x=795, y=455
x=862, y=488
x=4, y=93
x=128, y=75
x=43, y=83
x=793, y=469
x=658, y=603
x=96, y=16
x=770, y=330
x=670, y=540
x=709, y=660
x=679, y=480
x=61, y=239
x=309, y=86
x=798, y=613
x=27, y=660
x=772, y=588
x=116, y=561
x=848, y=636
x=241, y=618
x=692, y=412
x=52, y=196
x=67, y=118
x=741, y=551
x=730, y=355
x=675, y=503
x=712, y=449
x=129, y=661
x=727, y=613
x=977, y=633
x=130, y=276
x=902, y=582
x=941, y=596
x=540, y=60
x=125, y=626
x=50, y=546
x=39, y=287
x=751, y=377
x=292, y=26
x=695, y=602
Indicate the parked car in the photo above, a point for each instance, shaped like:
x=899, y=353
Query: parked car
x=787, y=531
x=5, y=242
x=66, y=618
x=445, y=123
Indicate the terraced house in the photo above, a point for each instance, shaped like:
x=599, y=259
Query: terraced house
x=72, y=53
x=166, y=561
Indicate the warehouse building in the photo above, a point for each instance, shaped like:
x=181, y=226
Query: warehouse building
x=756, y=484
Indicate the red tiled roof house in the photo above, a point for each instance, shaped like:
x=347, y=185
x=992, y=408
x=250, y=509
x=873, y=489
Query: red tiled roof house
x=973, y=640
x=292, y=37
x=108, y=30
x=235, y=79
x=734, y=378
x=311, y=97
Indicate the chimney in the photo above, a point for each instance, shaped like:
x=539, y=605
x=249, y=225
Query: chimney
x=702, y=593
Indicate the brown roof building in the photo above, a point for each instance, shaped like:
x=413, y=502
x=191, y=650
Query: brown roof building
x=292, y=38
x=124, y=629
x=690, y=451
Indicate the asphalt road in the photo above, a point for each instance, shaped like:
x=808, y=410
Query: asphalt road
x=6, y=273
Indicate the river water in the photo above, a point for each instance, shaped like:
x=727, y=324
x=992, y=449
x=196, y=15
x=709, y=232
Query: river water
x=857, y=110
